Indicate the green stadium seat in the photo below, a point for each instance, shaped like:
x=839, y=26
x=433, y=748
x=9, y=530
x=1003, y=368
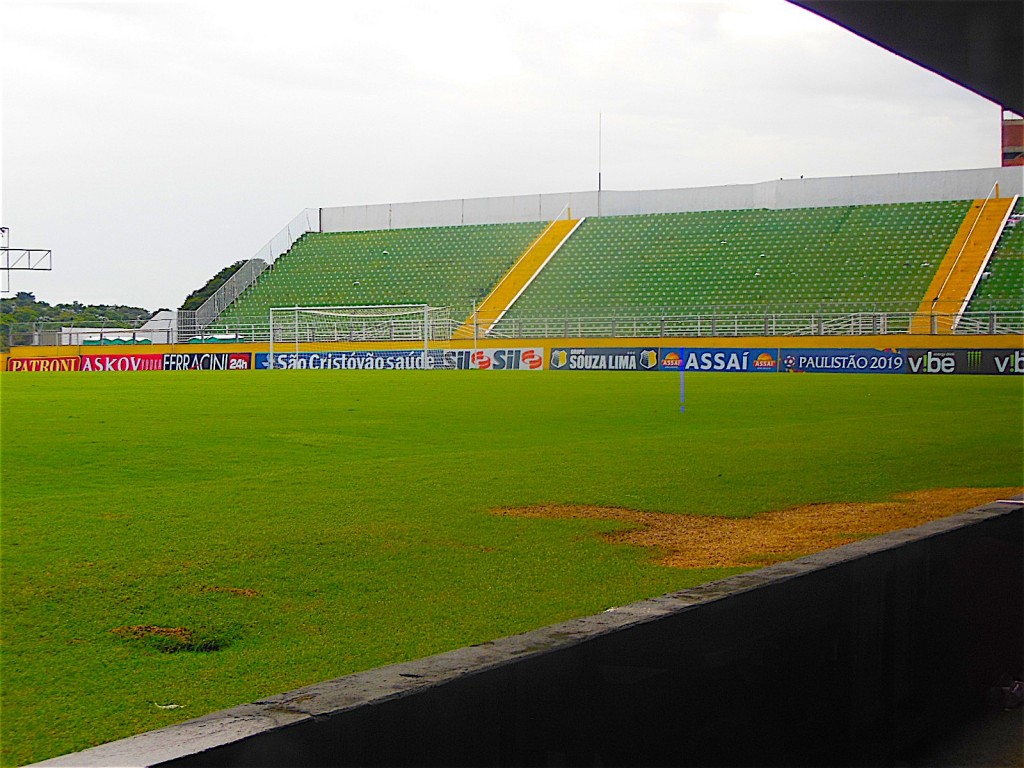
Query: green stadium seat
x=843, y=259
x=442, y=266
x=780, y=260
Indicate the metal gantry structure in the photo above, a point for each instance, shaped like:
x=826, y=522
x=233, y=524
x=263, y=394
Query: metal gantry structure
x=20, y=260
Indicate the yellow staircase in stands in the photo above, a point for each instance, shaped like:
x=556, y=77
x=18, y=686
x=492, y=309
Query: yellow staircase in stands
x=515, y=281
x=950, y=289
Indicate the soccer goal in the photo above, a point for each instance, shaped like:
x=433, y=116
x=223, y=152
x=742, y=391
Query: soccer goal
x=424, y=327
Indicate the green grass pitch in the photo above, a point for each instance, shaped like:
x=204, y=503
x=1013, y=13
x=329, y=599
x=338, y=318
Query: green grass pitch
x=315, y=524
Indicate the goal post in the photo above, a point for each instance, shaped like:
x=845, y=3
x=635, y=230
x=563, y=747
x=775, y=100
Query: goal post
x=422, y=326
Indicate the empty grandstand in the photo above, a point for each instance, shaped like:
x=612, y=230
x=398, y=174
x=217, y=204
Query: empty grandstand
x=923, y=253
x=849, y=259
x=442, y=266
x=824, y=262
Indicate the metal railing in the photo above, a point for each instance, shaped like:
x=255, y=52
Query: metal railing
x=230, y=290
x=700, y=325
x=736, y=325
x=713, y=324
x=210, y=310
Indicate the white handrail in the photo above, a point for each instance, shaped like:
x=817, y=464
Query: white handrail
x=533, y=277
x=984, y=263
x=523, y=255
x=952, y=269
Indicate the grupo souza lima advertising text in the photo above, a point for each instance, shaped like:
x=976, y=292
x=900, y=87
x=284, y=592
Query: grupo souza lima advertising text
x=604, y=359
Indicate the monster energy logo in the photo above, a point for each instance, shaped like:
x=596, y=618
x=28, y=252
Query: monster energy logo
x=974, y=359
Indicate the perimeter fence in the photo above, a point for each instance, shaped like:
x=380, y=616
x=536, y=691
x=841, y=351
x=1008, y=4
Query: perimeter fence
x=625, y=326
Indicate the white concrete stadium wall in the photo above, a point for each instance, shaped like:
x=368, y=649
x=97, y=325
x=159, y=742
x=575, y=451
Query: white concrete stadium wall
x=784, y=193
x=893, y=188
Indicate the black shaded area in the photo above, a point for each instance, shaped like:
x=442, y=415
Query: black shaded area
x=855, y=660
x=977, y=44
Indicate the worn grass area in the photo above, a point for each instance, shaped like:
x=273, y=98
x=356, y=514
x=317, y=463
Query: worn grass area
x=319, y=523
x=707, y=541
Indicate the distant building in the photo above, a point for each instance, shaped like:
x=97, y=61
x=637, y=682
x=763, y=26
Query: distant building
x=1013, y=139
x=161, y=328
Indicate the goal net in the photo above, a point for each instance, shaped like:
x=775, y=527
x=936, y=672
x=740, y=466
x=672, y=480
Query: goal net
x=308, y=329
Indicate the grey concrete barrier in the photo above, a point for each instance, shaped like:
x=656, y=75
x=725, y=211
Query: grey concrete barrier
x=852, y=656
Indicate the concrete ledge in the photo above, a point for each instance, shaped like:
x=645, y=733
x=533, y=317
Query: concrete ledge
x=851, y=655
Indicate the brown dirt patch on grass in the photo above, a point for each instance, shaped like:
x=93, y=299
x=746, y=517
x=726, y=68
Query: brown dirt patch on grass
x=699, y=541
x=172, y=639
x=239, y=591
x=141, y=631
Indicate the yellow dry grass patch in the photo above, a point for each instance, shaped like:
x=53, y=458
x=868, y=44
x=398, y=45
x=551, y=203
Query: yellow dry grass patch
x=698, y=541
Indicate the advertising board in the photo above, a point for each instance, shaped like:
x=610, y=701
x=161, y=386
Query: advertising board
x=842, y=360
x=208, y=361
x=521, y=359
x=201, y=361
x=125, y=362
x=604, y=359
x=977, y=361
x=682, y=359
x=741, y=359
x=376, y=360
x=513, y=359
x=43, y=363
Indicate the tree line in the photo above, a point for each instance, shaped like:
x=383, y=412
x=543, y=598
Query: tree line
x=24, y=308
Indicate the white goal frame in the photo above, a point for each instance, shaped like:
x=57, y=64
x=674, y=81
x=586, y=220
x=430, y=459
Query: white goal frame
x=293, y=327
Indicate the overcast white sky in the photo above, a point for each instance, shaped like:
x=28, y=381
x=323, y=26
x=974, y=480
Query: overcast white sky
x=149, y=144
